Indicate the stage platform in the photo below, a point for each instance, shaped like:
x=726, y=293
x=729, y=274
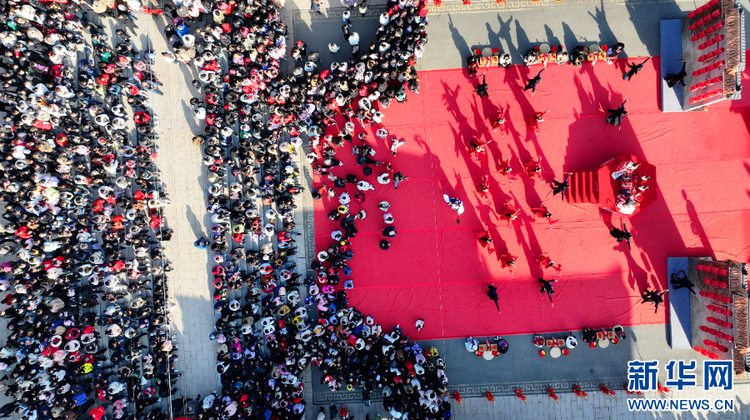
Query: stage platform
x=670, y=47
x=679, y=307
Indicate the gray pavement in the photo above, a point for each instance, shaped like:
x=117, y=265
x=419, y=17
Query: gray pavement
x=597, y=407
x=182, y=172
x=513, y=27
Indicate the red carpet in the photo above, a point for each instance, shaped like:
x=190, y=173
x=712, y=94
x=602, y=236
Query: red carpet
x=436, y=269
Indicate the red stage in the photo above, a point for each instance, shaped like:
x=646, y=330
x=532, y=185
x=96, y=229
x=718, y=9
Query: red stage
x=437, y=270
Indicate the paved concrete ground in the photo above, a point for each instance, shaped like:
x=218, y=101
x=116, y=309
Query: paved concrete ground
x=598, y=407
x=515, y=27
x=182, y=172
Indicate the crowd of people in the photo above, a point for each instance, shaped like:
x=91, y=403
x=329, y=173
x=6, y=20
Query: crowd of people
x=254, y=120
x=88, y=309
x=85, y=275
x=632, y=185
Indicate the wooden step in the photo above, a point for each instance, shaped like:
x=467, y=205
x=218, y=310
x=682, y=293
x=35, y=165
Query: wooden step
x=583, y=187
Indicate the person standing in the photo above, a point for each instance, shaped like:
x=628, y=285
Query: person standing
x=531, y=83
x=656, y=297
x=621, y=234
x=395, y=144
x=560, y=187
x=510, y=213
x=615, y=115
x=315, y=6
x=481, y=88
x=536, y=120
x=634, y=69
x=483, y=189
x=333, y=411
x=543, y=212
x=492, y=295
x=545, y=262
x=508, y=261
x=486, y=241
x=419, y=324
x=499, y=122
x=472, y=63
x=547, y=287
x=398, y=177
x=676, y=79
x=679, y=280
x=362, y=7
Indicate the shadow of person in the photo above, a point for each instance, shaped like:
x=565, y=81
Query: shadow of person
x=524, y=44
x=697, y=227
x=646, y=21
x=606, y=36
x=504, y=33
x=188, y=111
x=551, y=38
x=491, y=111
x=570, y=38
x=195, y=224
x=459, y=41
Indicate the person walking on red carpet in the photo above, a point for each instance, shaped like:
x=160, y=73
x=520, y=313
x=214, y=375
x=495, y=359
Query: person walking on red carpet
x=477, y=147
x=481, y=88
x=543, y=212
x=621, y=234
x=536, y=120
x=499, y=122
x=506, y=170
x=531, y=83
x=492, y=295
x=615, y=115
x=510, y=213
x=486, y=241
x=545, y=262
x=508, y=261
x=634, y=69
x=560, y=187
x=483, y=189
x=533, y=168
x=547, y=287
